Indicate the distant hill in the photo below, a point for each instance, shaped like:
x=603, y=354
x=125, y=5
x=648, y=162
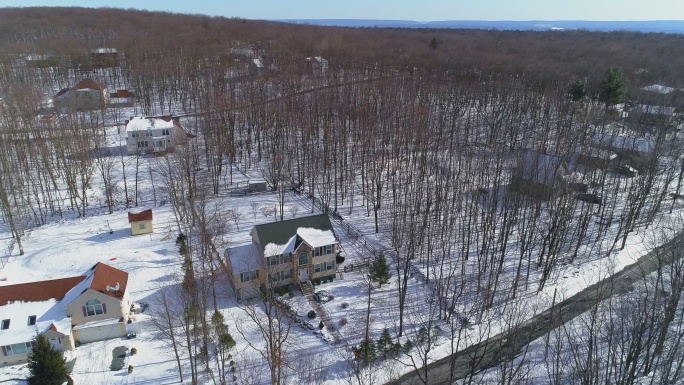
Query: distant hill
x=664, y=26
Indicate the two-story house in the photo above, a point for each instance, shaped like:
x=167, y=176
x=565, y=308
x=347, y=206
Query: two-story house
x=67, y=311
x=283, y=253
x=150, y=135
x=86, y=95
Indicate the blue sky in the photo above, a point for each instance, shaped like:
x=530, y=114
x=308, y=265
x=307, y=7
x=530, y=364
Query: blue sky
x=399, y=9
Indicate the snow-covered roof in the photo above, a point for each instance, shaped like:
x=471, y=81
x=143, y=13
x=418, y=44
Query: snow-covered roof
x=104, y=50
x=657, y=88
x=257, y=63
x=272, y=249
x=315, y=237
x=139, y=123
x=91, y=324
x=244, y=258
x=653, y=110
x=18, y=313
x=281, y=233
x=623, y=143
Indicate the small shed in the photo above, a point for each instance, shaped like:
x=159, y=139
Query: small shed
x=141, y=221
x=257, y=185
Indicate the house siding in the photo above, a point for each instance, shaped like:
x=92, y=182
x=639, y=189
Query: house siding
x=136, y=230
x=175, y=138
x=115, y=308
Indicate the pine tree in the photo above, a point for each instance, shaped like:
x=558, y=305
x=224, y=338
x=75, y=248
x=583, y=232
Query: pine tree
x=367, y=351
x=384, y=344
x=614, y=87
x=578, y=90
x=433, y=43
x=379, y=270
x=46, y=365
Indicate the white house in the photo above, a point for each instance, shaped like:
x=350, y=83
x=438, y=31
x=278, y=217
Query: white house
x=154, y=135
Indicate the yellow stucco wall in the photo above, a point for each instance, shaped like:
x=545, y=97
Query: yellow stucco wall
x=115, y=308
x=137, y=230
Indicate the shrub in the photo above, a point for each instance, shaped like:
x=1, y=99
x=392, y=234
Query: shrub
x=232, y=363
x=320, y=325
x=408, y=345
x=343, y=321
x=312, y=314
x=232, y=369
x=290, y=294
x=345, y=305
x=134, y=351
x=317, y=281
x=130, y=368
x=281, y=291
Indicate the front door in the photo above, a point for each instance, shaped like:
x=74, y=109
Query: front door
x=303, y=274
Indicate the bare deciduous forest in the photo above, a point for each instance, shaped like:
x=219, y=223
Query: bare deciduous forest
x=483, y=162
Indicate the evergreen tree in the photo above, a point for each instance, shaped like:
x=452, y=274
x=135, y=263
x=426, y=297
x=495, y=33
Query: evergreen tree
x=433, y=43
x=46, y=365
x=384, y=344
x=367, y=351
x=613, y=89
x=578, y=90
x=379, y=270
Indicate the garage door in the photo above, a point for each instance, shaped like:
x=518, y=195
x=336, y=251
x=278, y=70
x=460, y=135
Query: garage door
x=99, y=333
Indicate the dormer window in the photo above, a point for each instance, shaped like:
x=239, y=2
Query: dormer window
x=5, y=324
x=165, y=132
x=31, y=320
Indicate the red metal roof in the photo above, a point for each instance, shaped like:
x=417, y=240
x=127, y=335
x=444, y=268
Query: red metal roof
x=145, y=215
x=38, y=291
x=105, y=276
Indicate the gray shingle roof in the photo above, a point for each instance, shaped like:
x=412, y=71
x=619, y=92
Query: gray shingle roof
x=281, y=232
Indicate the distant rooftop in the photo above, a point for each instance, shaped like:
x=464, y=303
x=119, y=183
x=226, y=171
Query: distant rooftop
x=139, y=123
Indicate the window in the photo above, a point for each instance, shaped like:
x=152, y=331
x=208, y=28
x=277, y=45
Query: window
x=303, y=258
x=159, y=143
x=141, y=226
x=274, y=277
x=143, y=143
x=287, y=258
x=15, y=349
x=94, y=307
x=31, y=320
x=135, y=135
x=5, y=324
x=149, y=133
x=323, y=250
x=248, y=276
x=330, y=265
x=273, y=260
x=165, y=132
x=287, y=274
x=317, y=267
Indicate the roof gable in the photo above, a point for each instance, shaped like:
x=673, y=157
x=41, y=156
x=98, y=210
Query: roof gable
x=88, y=84
x=108, y=280
x=280, y=233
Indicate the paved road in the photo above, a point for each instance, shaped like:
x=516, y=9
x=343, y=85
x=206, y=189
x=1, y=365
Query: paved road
x=505, y=346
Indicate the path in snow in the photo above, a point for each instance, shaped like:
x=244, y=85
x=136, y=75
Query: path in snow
x=505, y=346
